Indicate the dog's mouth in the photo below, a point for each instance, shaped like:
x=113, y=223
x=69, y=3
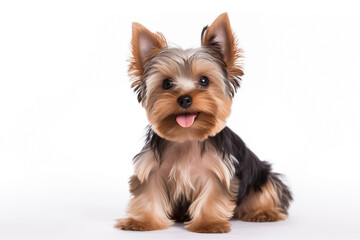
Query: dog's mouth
x=186, y=120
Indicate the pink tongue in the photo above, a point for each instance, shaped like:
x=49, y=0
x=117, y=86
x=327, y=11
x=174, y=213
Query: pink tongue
x=186, y=120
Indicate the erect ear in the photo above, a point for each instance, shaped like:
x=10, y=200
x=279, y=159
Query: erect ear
x=220, y=37
x=144, y=44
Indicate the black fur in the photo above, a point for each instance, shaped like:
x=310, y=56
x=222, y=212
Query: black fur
x=203, y=32
x=284, y=192
x=251, y=172
x=155, y=143
x=180, y=210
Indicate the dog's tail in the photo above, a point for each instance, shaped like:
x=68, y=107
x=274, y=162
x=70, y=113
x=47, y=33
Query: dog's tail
x=282, y=191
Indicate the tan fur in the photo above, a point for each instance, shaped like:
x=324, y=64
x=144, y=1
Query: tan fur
x=191, y=170
x=231, y=52
x=212, y=206
x=150, y=208
x=137, y=62
x=213, y=111
x=145, y=166
x=205, y=180
x=183, y=68
x=213, y=104
x=263, y=206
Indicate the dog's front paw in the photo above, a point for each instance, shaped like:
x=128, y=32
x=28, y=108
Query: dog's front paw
x=212, y=227
x=132, y=224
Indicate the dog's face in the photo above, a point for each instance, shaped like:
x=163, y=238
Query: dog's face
x=187, y=93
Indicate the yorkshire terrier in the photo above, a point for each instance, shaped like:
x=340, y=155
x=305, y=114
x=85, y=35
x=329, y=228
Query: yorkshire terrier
x=193, y=168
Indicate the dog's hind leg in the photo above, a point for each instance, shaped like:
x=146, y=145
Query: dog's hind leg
x=267, y=205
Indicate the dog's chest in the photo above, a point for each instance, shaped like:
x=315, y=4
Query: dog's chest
x=188, y=166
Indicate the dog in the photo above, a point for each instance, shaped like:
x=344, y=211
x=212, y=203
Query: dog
x=193, y=168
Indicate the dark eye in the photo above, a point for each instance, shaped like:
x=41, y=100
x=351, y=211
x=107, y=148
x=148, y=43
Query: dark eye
x=167, y=84
x=204, y=81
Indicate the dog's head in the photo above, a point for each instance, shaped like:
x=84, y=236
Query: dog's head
x=187, y=93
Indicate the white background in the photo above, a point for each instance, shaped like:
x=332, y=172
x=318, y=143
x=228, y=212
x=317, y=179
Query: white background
x=70, y=124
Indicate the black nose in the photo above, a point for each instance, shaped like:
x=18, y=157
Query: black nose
x=185, y=101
